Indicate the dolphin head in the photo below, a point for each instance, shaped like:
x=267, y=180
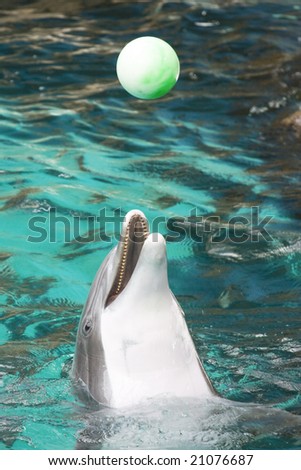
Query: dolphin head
x=133, y=343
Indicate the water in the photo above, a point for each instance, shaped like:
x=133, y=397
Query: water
x=224, y=141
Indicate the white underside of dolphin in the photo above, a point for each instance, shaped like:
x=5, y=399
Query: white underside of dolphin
x=133, y=343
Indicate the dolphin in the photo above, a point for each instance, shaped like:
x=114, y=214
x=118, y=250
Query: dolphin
x=133, y=343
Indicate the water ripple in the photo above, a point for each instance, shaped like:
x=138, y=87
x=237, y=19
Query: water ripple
x=225, y=140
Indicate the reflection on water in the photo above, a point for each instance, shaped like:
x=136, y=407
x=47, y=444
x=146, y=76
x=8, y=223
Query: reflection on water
x=225, y=140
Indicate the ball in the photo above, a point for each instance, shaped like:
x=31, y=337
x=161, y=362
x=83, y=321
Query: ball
x=148, y=68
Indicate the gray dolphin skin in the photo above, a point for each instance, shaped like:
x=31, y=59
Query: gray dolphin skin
x=133, y=343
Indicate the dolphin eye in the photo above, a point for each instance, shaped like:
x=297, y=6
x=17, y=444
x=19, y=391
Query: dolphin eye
x=87, y=327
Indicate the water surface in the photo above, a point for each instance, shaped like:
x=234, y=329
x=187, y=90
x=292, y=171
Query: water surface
x=226, y=140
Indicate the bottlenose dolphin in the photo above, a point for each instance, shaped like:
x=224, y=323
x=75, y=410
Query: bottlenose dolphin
x=133, y=343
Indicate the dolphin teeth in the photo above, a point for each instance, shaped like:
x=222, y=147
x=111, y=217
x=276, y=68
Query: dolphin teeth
x=132, y=241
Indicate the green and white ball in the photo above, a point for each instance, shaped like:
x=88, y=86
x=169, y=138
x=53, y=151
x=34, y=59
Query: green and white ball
x=148, y=68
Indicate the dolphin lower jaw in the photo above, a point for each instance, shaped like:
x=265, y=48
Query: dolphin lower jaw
x=134, y=233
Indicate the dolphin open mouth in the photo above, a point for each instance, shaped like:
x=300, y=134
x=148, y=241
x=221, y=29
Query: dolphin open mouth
x=134, y=233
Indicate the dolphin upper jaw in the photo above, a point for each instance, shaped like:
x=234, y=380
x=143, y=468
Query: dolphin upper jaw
x=146, y=255
x=148, y=285
x=133, y=234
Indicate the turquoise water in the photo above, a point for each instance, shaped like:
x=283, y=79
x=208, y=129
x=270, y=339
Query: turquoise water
x=226, y=140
